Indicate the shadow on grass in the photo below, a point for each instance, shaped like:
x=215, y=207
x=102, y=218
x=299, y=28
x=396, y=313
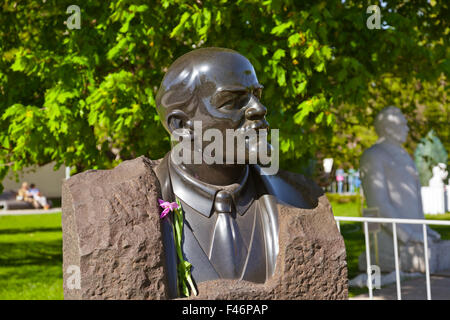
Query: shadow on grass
x=41, y=253
x=30, y=258
x=29, y=230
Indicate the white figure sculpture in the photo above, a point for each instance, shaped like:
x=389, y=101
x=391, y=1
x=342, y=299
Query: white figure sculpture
x=391, y=183
x=433, y=196
x=439, y=175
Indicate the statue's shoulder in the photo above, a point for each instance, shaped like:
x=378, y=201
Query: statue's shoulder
x=292, y=188
x=302, y=184
x=375, y=154
x=373, y=151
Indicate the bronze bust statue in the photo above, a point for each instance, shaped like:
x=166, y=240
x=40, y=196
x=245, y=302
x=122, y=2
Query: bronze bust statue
x=231, y=228
x=267, y=234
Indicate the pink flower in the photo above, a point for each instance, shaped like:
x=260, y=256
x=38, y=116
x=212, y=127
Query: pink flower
x=167, y=206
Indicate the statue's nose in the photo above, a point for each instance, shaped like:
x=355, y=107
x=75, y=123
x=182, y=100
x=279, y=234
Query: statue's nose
x=255, y=110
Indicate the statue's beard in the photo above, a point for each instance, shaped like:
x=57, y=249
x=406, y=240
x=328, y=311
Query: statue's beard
x=249, y=149
x=257, y=150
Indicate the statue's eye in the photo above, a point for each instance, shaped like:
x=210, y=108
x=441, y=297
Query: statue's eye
x=228, y=104
x=235, y=101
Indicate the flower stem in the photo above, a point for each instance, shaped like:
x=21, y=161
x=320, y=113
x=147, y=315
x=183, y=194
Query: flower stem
x=183, y=267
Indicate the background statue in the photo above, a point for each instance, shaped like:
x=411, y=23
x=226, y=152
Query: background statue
x=391, y=183
x=434, y=195
x=439, y=175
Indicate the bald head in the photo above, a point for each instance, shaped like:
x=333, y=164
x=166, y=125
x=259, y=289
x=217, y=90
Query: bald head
x=198, y=75
x=391, y=124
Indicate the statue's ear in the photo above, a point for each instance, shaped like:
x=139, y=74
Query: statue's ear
x=179, y=123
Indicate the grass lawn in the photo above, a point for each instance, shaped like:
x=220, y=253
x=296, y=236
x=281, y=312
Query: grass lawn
x=354, y=235
x=31, y=251
x=31, y=257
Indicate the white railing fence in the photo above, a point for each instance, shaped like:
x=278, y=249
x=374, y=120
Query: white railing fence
x=394, y=222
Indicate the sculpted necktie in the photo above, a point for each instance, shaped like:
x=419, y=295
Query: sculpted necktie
x=228, y=252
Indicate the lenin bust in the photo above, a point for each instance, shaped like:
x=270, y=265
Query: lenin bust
x=248, y=232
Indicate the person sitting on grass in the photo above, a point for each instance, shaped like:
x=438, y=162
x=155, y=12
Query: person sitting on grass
x=39, y=199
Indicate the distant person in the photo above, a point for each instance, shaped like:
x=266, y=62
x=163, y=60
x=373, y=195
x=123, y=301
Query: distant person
x=340, y=179
x=39, y=199
x=357, y=179
x=23, y=193
x=351, y=180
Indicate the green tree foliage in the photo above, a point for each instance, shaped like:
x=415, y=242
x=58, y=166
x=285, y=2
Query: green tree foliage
x=429, y=152
x=86, y=97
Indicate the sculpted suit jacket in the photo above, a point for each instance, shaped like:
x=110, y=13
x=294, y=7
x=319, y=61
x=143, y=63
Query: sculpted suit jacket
x=251, y=250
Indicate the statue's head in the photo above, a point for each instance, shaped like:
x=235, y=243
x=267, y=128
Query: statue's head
x=439, y=171
x=216, y=86
x=391, y=124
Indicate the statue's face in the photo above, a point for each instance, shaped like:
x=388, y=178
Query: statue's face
x=395, y=127
x=226, y=97
x=233, y=102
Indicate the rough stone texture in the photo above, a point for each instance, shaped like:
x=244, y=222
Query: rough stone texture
x=111, y=229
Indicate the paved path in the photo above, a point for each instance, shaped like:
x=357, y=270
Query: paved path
x=28, y=212
x=414, y=289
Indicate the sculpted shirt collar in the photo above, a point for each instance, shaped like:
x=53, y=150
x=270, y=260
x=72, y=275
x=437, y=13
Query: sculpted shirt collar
x=200, y=196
